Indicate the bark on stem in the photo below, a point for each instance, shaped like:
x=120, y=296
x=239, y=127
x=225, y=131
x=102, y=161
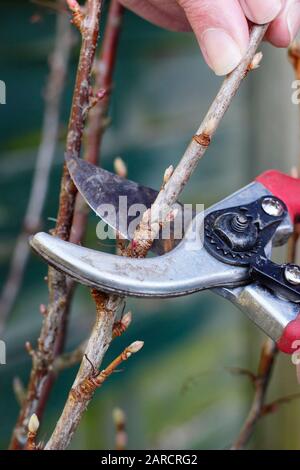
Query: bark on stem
x=106, y=306
x=261, y=382
x=148, y=229
x=97, y=121
x=52, y=332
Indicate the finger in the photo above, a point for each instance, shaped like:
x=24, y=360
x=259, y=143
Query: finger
x=222, y=31
x=262, y=11
x=285, y=27
x=167, y=14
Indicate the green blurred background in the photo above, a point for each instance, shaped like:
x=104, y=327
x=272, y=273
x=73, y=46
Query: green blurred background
x=177, y=393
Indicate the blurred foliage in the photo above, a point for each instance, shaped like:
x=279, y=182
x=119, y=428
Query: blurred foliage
x=176, y=392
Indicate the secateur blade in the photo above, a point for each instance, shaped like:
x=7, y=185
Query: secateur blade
x=109, y=196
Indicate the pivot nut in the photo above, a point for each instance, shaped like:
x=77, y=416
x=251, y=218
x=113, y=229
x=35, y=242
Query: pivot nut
x=272, y=206
x=292, y=274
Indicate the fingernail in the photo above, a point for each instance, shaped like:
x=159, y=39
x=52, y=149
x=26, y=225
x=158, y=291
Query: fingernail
x=221, y=52
x=293, y=20
x=260, y=11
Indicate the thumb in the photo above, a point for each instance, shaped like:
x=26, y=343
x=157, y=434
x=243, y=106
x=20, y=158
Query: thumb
x=221, y=30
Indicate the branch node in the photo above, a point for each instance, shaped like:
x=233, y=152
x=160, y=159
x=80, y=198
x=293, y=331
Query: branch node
x=77, y=14
x=202, y=139
x=94, y=100
x=84, y=391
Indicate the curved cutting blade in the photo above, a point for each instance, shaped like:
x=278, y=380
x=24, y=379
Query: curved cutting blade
x=100, y=188
x=119, y=202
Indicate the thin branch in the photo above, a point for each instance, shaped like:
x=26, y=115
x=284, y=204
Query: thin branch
x=245, y=372
x=51, y=337
x=70, y=359
x=58, y=63
x=261, y=383
x=152, y=219
x=98, y=115
x=276, y=404
x=85, y=389
x=259, y=409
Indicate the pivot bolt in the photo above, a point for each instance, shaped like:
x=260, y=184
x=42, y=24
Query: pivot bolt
x=292, y=274
x=272, y=206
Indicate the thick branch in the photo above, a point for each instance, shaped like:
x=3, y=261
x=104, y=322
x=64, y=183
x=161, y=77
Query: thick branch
x=69, y=359
x=98, y=116
x=52, y=332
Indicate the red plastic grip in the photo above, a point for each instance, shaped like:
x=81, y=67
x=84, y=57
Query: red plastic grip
x=285, y=188
x=290, y=339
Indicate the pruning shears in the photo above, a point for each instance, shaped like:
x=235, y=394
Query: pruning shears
x=232, y=258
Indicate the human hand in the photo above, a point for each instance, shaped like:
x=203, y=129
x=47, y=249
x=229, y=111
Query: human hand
x=221, y=26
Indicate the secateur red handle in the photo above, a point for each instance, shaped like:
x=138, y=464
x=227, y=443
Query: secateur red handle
x=287, y=189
